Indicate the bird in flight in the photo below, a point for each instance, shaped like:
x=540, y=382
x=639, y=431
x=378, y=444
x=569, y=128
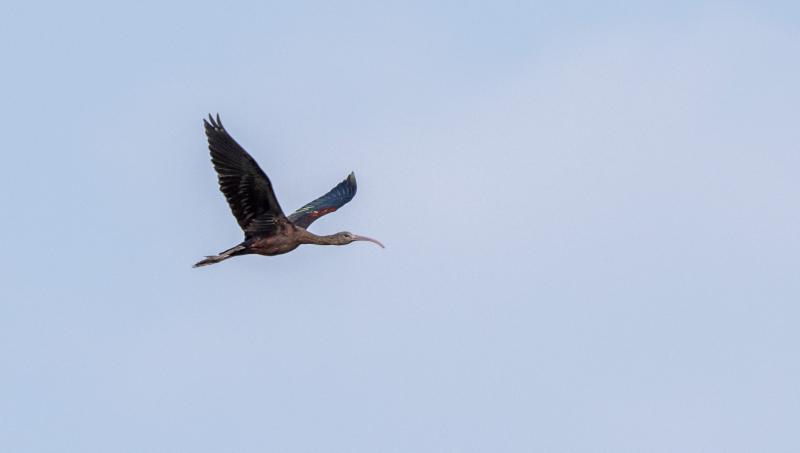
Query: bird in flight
x=267, y=231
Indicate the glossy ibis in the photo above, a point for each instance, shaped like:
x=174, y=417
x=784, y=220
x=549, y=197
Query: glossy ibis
x=267, y=231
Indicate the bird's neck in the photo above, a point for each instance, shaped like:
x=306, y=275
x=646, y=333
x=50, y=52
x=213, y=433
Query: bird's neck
x=307, y=237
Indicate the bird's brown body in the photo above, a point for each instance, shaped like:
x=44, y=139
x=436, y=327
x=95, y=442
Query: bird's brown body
x=288, y=238
x=252, y=200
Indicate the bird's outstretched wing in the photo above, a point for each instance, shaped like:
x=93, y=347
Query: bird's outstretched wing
x=244, y=184
x=331, y=201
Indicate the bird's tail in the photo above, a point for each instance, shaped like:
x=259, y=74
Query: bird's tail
x=214, y=259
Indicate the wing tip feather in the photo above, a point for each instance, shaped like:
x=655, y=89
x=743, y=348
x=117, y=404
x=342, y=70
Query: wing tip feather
x=212, y=124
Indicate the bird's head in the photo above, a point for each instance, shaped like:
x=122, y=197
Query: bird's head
x=346, y=237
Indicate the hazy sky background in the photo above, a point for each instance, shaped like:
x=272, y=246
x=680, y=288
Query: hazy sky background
x=590, y=211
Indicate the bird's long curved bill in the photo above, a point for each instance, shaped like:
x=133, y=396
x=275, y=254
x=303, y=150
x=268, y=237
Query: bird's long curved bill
x=364, y=238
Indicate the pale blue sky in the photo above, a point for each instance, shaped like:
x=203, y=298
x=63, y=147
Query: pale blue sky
x=590, y=211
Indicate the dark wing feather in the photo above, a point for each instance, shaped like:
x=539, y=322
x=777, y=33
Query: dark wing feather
x=331, y=201
x=244, y=184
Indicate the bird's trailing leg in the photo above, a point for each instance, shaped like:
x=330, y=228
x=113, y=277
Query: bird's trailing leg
x=213, y=259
